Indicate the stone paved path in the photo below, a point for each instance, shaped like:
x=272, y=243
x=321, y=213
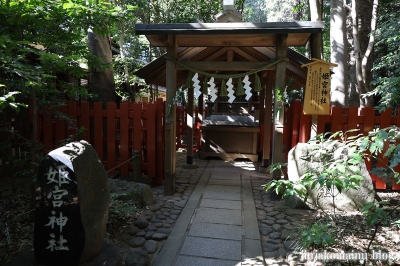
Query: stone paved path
x=219, y=215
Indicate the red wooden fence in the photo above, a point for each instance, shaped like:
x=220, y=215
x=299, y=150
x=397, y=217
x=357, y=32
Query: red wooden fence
x=114, y=132
x=181, y=128
x=298, y=128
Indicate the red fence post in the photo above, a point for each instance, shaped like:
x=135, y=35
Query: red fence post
x=98, y=129
x=137, y=133
x=151, y=141
x=85, y=120
x=72, y=124
x=305, y=128
x=160, y=142
x=47, y=130
x=385, y=120
x=397, y=168
x=123, y=144
x=60, y=129
x=111, y=138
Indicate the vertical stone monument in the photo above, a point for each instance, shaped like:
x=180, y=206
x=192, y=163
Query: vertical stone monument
x=72, y=201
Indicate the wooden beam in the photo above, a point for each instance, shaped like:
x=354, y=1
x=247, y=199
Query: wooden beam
x=226, y=66
x=229, y=55
x=245, y=55
x=216, y=54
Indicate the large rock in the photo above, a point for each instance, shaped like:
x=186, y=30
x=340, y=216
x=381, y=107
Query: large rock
x=72, y=204
x=124, y=190
x=349, y=200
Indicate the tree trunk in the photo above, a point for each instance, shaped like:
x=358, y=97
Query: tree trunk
x=363, y=14
x=316, y=39
x=102, y=75
x=339, y=82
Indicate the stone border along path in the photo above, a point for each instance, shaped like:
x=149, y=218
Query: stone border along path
x=147, y=236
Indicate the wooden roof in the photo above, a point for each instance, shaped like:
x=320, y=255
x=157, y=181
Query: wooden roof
x=236, y=34
x=243, y=59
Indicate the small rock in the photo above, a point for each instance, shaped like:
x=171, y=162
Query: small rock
x=273, y=241
x=169, y=221
x=132, y=230
x=154, y=207
x=159, y=236
x=277, y=227
x=141, y=223
x=151, y=227
x=149, y=235
x=270, y=247
x=158, y=225
x=148, y=217
x=174, y=217
x=280, y=216
x=164, y=230
x=137, y=258
x=282, y=221
x=265, y=231
x=269, y=255
x=151, y=246
x=137, y=242
x=141, y=234
x=282, y=253
x=166, y=214
x=156, y=221
x=274, y=235
x=269, y=209
x=161, y=217
x=286, y=234
x=175, y=212
x=270, y=222
x=288, y=227
x=289, y=245
x=181, y=203
x=273, y=213
x=148, y=212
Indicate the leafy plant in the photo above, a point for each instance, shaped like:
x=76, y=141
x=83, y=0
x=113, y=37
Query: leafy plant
x=318, y=235
x=340, y=173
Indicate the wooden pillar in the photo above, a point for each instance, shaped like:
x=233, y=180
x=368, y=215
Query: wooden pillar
x=170, y=124
x=316, y=51
x=280, y=76
x=267, y=120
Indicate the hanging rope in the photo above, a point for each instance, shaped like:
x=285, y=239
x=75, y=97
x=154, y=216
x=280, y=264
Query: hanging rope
x=223, y=76
x=257, y=83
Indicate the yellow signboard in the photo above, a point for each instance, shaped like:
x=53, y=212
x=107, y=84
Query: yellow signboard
x=318, y=88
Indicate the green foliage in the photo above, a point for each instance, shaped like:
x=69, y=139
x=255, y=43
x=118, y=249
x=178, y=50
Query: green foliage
x=342, y=173
x=387, y=57
x=8, y=100
x=374, y=214
x=318, y=235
